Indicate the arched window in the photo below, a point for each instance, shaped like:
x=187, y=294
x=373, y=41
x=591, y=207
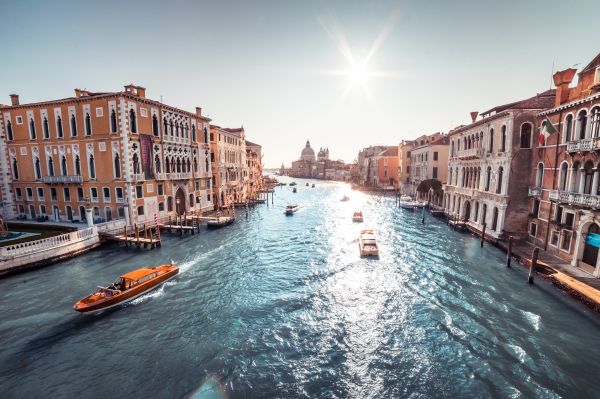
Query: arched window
x=32, y=129
x=588, y=169
x=154, y=125
x=450, y=176
x=45, y=128
x=499, y=183
x=193, y=133
x=206, y=135
x=488, y=177
x=50, y=166
x=595, y=125
x=117, y=163
x=136, y=164
x=452, y=151
x=77, y=165
x=503, y=139
x=59, y=127
x=526, y=135
x=157, y=163
x=206, y=159
x=92, y=167
x=171, y=126
x=581, y=124
x=132, y=121
x=9, y=131
x=491, y=142
x=166, y=126
x=63, y=166
x=88, y=124
x=15, y=169
x=539, y=175
x=37, y=169
x=178, y=163
x=495, y=219
x=562, y=176
x=167, y=165
x=176, y=129
x=568, y=129
x=73, y=125
x=195, y=165
x=113, y=121
x=189, y=165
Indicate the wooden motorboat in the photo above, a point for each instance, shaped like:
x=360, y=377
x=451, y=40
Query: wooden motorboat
x=294, y=190
x=220, y=221
x=407, y=202
x=130, y=286
x=345, y=198
x=357, y=216
x=291, y=209
x=367, y=244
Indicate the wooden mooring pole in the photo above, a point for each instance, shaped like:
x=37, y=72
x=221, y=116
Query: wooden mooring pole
x=534, y=260
x=483, y=234
x=509, y=252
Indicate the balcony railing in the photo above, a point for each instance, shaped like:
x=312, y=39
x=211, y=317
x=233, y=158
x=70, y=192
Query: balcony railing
x=589, y=144
x=584, y=200
x=470, y=153
x=139, y=177
x=535, y=192
x=178, y=175
x=63, y=179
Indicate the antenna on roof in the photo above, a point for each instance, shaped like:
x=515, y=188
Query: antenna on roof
x=161, y=98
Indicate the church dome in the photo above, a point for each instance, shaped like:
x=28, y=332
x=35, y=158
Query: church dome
x=308, y=154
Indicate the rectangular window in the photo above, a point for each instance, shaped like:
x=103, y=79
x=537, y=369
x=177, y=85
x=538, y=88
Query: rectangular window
x=160, y=189
x=554, y=238
x=597, y=77
x=139, y=192
x=532, y=229
x=99, y=112
x=536, y=208
x=53, y=195
x=566, y=241
x=140, y=210
x=106, y=192
x=18, y=193
x=435, y=171
x=569, y=217
x=94, y=193
x=150, y=187
x=40, y=191
x=29, y=193
x=67, y=194
x=79, y=193
x=435, y=155
x=19, y=120
x=161, y=206
x=119, y=191
x=559, y=213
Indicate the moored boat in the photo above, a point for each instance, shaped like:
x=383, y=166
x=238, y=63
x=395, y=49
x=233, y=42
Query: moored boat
x=367, y=244
x=291, y=209
x=407, y=202
x=313, y=186
x=293, y=183
x=357, y=217
x=307, y=184
x=130, y=286
x=220, y=221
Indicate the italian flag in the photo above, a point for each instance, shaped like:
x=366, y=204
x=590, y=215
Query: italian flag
x=547, y=130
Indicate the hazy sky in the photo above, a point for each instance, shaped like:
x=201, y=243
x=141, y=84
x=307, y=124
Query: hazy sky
x=273, y=66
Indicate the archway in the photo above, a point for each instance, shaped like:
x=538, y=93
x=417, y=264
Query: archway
x=467, y=210
x=590, y=249
x=180, y=201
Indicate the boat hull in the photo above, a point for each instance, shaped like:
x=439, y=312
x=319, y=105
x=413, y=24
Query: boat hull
x=214, y=224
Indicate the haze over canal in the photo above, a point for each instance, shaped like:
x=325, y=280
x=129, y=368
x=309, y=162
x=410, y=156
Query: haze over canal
x=278, y=306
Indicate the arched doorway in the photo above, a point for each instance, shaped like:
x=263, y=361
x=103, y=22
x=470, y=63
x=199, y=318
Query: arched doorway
x=180, y=201
x=495, y=219
x=467, y=210
x=590, y=250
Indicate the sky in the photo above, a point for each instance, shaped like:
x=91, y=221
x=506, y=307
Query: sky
x=343, y=74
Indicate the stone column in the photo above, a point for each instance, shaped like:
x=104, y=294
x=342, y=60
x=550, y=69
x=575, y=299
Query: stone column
x=501, y=214
x=581, y=180
x=578, y=250
x=594, y=190
x=89, y=217
x=572, y=182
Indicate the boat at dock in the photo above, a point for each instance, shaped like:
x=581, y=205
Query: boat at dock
x=407, y=202
x=367, y=244
x=357, y=216
x=291, y=209
x=130, y=286
x=220, y=221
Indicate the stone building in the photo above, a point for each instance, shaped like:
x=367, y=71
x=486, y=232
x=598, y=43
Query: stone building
x=489, y=166
x=254, y=163
x=367, y=167
x=306, y=165
x=229, y=167
x=404, y=163
x=119, y=153
x=429, y=160
x=565, y=183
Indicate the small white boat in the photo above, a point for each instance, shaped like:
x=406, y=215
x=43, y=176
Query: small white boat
x=357, y=217
x=367, y=244
x=407, y=202
x=220, y=221
x=420, y=204
x=345, y=198
x=291, y=209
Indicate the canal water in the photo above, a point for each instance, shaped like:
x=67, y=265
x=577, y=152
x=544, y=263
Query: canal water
x=278, y=306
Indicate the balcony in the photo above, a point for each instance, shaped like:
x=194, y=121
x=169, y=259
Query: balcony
x=63, y=179
x=137, y=177
x=583, y=145
x=580, y=199
x=471, y=153
x=535, y=192
x=178, y=175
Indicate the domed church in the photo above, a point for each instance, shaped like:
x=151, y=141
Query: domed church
x=305, y=166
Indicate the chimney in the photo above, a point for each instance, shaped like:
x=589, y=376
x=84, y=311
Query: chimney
x=198, y=111
x=562, y=79
x=141, y=92
x=77, y=93
x=14, y=99
x=474, y=116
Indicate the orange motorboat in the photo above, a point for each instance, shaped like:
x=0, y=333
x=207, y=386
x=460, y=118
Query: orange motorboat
x=130, y=286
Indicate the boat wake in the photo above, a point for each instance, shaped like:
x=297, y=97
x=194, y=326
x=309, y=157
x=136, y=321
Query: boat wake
x=152, y=294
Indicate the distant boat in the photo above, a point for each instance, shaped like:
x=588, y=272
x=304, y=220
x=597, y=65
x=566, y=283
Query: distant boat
x=307, y=184
x=293, y=183
x=130, y=286
x=357, y=217
x=313, y=186
x=220, y=221
x=295, y=190
x=367, y=244
x=291, y=209
x=407, y=202
x=345, y=198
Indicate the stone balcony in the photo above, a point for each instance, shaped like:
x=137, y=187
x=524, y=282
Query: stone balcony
x=583, y=145
x=63, y=179
x=471, y=153
x=580, y=199
x=137, y=177
x=535, y=192
x=178, y=175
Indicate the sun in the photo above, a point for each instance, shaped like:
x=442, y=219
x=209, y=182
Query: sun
x=358, y=72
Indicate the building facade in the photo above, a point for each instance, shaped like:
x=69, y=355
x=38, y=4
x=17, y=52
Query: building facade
x=489, y=166
x=429, y=160
x=119, y=153
x=367, y=167
x=565, y=182
x=254, y=166
x=306, y=165
x=404, y=164
x=230, y=169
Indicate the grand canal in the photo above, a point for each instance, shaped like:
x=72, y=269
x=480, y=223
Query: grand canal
x=278, y=306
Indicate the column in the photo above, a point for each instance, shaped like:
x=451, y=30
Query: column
x=501, y=213
x=89, y=217
x=595, y=182
x=581, y=180
x=578, y=249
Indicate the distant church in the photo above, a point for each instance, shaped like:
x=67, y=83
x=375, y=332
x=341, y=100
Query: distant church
x=306, y=165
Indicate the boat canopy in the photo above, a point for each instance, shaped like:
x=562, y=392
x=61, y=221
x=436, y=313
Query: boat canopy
x=137, y=274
